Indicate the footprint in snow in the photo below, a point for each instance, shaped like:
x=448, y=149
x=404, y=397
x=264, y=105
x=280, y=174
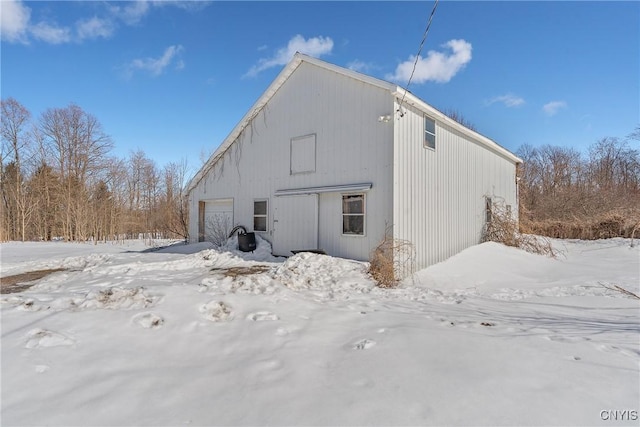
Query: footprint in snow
x=266, y=371
x=39, y=338
x=608, y=348
x=216, y=311
x=148, y=320
x=445, y=322
x=260, y=316
x=559, y=338
x=281, y=332
x=364, y=344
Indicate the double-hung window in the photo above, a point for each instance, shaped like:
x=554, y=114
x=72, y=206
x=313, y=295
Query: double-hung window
x=353, y=214
x=429, y=133
x=260, y=209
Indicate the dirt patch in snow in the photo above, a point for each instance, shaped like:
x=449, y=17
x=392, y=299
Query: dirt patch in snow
x=23, y=281
x=242, y=271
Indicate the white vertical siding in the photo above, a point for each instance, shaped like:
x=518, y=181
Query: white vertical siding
x=439, y=194
x=351, y=147
x=433, y=198
x=295, y=224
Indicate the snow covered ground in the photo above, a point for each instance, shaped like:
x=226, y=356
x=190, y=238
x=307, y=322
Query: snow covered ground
x=188, y=336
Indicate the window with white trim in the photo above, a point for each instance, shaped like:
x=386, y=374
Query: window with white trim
x=260, y=209
x=429, y=133
x=353, y=214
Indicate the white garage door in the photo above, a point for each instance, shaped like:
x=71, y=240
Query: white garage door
x=218, y=220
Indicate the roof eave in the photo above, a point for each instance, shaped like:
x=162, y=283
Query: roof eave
x=244, y=122
x=487, y=142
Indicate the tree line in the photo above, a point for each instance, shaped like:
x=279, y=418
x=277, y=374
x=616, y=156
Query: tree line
x=59, y=180
x=568, y=194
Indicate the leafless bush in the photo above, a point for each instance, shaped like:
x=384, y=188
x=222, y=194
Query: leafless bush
x=503, y=228
x=391, y=260
x=218, y=228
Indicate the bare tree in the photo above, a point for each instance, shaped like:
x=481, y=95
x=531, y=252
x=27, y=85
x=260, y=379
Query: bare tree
x=566, y=194
x=15, y=144
x=79, y=146
x=45, y=187
x=143, y=182
x=175, y=201
x=458, y=117
x=56, y=179
x=117, y=178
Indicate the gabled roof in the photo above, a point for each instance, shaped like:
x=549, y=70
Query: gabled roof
x=393, y=89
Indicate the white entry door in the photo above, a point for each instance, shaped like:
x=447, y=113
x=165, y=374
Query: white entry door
x=295, y=224
x=218, y=220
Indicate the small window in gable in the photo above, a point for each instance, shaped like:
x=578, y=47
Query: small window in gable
x=303, y=154
x=353, y=214
x=260, y=209
x=429, y=133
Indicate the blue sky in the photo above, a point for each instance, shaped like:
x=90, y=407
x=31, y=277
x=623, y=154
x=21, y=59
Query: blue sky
x=174, y=78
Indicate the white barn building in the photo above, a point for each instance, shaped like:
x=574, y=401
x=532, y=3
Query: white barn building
x=328, y=159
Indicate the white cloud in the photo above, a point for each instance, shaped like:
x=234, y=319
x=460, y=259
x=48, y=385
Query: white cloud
x=360, y=66
x=439, y=67
x=315, y=46
x=552, y=108
x=94, y=28
x=50, y=33
x=132, y=13
x=157, y=65
x=14, y=21
x=509, y=100
x=188, y=5
x=17, y=27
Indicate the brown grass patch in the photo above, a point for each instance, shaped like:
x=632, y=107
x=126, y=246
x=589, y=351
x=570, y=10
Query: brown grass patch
x=616, y=223
x=234, y=272
x=23, y=281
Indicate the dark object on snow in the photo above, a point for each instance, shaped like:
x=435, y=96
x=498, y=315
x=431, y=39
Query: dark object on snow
x=313, y=251
x=246, y=241
x=238, y=228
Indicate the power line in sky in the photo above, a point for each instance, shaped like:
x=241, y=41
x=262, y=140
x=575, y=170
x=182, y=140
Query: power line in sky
x=415, y=63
